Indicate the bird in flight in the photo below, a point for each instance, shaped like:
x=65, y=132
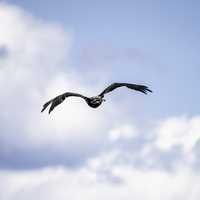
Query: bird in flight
x=95, y=101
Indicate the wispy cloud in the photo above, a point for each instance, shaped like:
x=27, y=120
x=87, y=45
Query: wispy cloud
x=102, y=54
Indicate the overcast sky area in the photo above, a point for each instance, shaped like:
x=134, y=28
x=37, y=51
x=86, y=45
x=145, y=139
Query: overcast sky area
x=134, y=146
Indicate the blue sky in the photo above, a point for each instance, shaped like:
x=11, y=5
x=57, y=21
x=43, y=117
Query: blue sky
x=163, y=35
x=49, y=47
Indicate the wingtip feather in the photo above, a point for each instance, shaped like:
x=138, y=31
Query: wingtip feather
x=44, y=107
x=149, y=90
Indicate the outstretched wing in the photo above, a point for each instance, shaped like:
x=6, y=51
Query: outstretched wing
x=59, y=99
x=140, y=88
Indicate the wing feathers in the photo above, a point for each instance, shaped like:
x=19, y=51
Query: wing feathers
x=45, y=105
x=59, y=99
x=141, y=88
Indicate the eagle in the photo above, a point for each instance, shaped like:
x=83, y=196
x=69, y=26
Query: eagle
x=94, y=101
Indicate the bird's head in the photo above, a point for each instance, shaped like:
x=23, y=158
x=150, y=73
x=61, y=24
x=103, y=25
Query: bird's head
x=103, y=100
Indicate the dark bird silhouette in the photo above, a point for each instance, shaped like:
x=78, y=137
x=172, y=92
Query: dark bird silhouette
x=95, y=101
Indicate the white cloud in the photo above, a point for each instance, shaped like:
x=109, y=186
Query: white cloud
x=181, y=131
x=60, y=183
x=124, y=131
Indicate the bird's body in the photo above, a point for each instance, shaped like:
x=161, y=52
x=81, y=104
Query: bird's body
x=94, y=101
